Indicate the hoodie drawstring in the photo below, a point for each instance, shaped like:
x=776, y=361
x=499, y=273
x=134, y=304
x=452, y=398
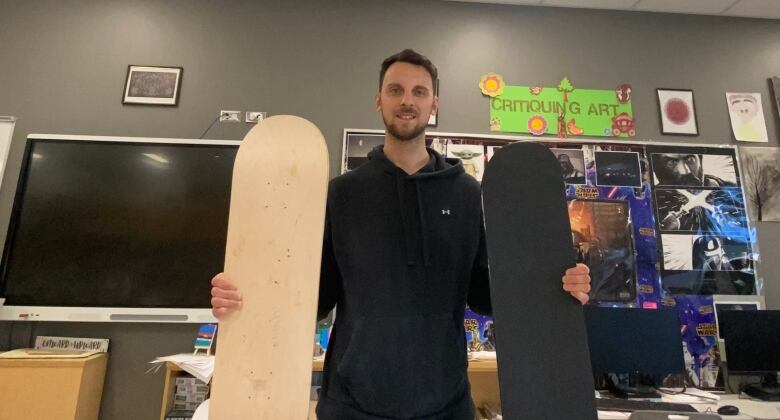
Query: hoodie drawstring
x=409, y=236
x=399, y=182
x=423, y=227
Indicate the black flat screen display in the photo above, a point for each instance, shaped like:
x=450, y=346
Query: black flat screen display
x=117, y=224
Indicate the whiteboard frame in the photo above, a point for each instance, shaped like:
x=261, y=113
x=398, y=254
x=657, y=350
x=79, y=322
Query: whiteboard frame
x=112, y=314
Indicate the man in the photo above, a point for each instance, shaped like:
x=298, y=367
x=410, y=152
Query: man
x=404, y=252
x=571, y=175
x=683, y=170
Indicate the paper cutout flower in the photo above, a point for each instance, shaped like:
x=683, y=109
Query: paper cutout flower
x=495, y=124
x=491, y=84
x=537, y=125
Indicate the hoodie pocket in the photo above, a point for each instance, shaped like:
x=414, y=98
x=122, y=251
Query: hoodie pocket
x=405, y=366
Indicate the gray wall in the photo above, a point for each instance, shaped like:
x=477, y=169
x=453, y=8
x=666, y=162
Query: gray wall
x=63, y=64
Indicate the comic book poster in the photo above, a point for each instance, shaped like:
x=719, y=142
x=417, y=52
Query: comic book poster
x=706, y=242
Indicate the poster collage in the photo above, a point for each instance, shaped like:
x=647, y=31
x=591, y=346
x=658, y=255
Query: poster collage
x=658, y=225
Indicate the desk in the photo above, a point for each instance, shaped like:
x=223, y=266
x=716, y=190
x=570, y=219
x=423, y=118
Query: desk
x=52, y=389
x=749, y=409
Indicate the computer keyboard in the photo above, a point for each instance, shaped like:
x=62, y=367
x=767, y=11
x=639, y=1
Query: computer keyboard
x=616, y=404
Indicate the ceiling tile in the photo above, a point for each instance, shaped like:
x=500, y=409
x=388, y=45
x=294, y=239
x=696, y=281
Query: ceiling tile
x=769, y=9
x=520, y=2
x=592, y=4
x=701, y=7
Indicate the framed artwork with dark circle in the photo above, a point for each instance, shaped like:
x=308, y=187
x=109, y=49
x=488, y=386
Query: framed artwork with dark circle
x=677, y=111
x=152, y=85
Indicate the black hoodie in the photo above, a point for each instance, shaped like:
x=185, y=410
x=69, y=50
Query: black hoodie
x=402, y=256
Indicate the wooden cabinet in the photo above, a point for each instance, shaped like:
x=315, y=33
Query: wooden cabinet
x=52, y=389
x=483, y=376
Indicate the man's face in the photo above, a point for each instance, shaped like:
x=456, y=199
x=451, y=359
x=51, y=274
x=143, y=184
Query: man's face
x=745, y=107
x=406, y=100
x=565, y=163
x=680, y=169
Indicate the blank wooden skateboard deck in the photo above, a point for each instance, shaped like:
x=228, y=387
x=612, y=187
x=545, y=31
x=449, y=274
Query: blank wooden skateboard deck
x=274, y=245
x=541, y=345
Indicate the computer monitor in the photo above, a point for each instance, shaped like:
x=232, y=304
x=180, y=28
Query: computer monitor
x=646, y=342
x=753, y=345
x=722, y=303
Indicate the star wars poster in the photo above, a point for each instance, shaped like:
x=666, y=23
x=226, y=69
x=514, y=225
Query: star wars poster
x=356, y=149
x=601, y=235
x=701, y=210
x=572, y=163
x=699, y=332
x=618, y=169
x=618, y=174
x=479, y=332
x=472, y=156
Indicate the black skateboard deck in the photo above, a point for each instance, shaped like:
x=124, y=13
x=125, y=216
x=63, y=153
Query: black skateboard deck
x=544, y=367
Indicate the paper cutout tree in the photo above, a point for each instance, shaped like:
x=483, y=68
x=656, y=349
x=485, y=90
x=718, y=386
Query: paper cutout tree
x=565, y=86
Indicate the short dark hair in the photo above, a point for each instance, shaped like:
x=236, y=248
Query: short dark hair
x=411, y=57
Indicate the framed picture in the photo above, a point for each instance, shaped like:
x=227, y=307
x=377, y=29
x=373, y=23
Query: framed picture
x=150, y=85
x=678, y=112
x=433, y=121
x=775, y=81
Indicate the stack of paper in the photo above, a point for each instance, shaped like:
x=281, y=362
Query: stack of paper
x=482, y=355
x=199, y=366
x=691, y=396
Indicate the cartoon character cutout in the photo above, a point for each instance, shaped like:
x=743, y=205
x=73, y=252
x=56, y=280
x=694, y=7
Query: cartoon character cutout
x=623, y=93
x=745, y=107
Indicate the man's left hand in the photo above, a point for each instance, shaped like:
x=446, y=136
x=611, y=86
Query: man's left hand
x=576, y=281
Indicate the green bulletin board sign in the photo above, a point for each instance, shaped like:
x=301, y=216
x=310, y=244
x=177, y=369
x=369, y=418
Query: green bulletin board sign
x=563, y=111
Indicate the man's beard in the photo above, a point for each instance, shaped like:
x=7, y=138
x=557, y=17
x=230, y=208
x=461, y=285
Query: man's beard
x=411, y=135
x=567, y=168
x=689, y=179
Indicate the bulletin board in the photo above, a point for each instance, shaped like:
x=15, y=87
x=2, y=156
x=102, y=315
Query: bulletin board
x=658, y=224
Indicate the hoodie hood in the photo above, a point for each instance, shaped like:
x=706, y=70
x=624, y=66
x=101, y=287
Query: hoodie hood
x=437, y=166
x=411, y=200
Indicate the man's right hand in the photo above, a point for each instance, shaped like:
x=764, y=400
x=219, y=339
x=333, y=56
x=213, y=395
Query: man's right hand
x=225, y=297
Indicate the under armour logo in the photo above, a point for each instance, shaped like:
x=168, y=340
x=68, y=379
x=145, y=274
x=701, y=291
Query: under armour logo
x=445, y=211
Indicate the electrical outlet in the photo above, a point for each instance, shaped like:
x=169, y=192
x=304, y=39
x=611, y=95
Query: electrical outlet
x=255, y=116
x=229, y=116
